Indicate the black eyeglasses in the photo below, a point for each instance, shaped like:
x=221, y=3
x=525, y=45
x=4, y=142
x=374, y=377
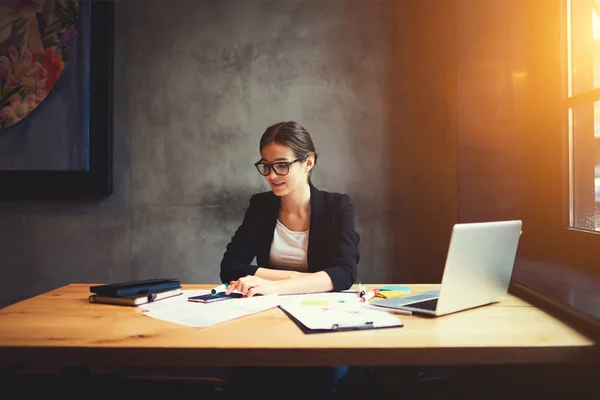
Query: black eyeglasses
x=280, y=168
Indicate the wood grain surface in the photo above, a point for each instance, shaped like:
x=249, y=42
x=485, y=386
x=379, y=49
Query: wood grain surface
x=61, y=328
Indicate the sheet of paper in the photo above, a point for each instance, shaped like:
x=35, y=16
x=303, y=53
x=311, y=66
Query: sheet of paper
x=201, y=315
x=339, y=306
x=329, y=297
x=314, y=314
x=167, y=303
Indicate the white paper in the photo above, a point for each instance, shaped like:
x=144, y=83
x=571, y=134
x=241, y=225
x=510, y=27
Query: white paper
x=351, y=314
x=168, y=303
x=316, y=310
x=332, y=297
x=201, y=315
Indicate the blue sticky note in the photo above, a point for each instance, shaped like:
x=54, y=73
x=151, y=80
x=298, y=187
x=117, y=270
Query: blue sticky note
x=394, y=287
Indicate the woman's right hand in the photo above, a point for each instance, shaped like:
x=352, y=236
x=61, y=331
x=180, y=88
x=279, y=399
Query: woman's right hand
x=251, y=285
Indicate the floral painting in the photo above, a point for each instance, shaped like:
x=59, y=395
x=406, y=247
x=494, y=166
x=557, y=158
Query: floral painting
x=36, y=37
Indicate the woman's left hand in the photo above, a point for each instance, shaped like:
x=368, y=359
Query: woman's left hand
x=252, y=285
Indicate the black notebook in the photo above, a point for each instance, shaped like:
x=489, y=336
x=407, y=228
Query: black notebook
x=133, y=288
x=136, y=300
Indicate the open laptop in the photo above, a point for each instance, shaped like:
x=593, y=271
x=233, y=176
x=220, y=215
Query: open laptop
x=478, y=268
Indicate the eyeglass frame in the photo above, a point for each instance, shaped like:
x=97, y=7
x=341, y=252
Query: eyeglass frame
x=286, y=163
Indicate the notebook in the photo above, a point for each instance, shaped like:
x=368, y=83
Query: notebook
x=134, y=288
x=134, y=301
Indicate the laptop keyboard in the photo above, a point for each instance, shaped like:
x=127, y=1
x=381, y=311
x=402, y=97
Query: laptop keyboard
x=425, y=305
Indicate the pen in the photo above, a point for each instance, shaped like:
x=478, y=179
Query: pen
x=390, y=310
x=401, y=312
x=220, y=288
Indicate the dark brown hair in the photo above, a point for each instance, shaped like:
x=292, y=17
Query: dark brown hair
x=292, y=135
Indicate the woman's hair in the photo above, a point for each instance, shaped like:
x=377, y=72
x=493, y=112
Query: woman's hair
x=292, y=135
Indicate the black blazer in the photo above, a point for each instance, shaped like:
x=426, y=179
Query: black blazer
x=332, y=241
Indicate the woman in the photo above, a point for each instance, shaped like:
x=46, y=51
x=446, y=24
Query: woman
x=304, y=241
x=303, y=238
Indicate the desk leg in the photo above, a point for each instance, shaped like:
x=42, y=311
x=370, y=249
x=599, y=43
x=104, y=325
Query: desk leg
x=75, y=383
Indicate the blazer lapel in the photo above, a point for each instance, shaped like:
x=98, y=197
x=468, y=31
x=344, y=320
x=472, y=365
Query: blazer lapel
x=317, y=210
x=271, y=212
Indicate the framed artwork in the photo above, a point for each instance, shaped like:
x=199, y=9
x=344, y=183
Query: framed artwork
x=56, y=60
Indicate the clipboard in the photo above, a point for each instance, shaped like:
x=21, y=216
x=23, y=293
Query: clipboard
x=338, y=319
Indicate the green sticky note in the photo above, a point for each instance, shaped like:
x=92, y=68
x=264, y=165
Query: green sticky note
x=394, y=287
x=314, y=302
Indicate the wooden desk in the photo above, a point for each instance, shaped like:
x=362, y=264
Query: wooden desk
x=61, y=328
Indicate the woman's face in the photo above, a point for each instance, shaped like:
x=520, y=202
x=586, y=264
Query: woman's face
x=297, y=175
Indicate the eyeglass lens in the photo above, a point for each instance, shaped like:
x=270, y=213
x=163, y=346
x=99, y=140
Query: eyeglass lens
x=280, y=169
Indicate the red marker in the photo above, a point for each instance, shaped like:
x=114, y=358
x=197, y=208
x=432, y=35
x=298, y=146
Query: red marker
x=368, y=296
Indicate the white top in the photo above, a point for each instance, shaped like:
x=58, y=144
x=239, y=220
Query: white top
x=288, y=249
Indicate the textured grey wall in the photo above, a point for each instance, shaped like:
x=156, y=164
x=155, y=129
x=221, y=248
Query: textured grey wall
x=196, y=83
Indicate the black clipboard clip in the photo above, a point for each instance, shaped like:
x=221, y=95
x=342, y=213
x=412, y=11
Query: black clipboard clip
x=338, y=327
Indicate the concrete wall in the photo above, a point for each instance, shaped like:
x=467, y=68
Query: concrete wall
x=196, y=83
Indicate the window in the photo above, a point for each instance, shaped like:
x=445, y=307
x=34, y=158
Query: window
x=582, y=94
x=560, y=248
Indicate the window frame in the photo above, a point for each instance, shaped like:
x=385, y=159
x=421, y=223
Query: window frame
x=577, y=197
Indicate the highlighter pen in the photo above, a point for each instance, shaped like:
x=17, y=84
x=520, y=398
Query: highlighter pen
x=389, y=310
x=361, y=290
x=398, y=311
x=369, y=296
x=220, y=288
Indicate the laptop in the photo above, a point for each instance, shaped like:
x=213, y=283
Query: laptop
x=478, y=268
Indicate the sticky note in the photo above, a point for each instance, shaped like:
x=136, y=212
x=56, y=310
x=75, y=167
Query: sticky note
x=309, y=302
x=389, y=294
x=394, y=288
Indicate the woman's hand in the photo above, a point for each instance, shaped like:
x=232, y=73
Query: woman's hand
x=252, y=285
